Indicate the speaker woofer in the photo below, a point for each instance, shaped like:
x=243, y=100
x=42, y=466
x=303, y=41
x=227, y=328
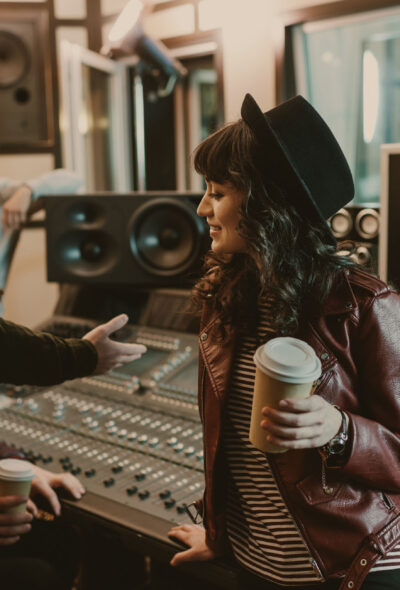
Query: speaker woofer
x=165, y=236
x=367, y=223
x=341, y=223
x=87, y=254
x=14, y=59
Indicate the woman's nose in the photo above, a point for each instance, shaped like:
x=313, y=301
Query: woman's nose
x=204, y=207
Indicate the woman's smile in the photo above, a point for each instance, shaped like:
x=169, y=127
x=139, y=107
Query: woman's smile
x=221, y=207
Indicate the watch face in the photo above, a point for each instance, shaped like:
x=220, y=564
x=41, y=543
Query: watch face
x=337, y=445
x=336, y=448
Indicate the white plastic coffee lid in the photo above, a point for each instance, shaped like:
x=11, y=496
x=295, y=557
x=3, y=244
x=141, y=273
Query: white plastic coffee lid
x=288, y=359
x=16, y=470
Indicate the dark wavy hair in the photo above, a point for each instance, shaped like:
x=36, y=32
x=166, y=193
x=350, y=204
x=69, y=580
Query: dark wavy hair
x=288, y=259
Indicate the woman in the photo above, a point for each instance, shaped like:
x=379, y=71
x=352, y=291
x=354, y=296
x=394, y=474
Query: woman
x=324, y=514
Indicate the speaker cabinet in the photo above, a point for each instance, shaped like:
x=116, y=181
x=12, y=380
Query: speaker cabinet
x=389, y=242
x=356, y=229
x=140, y=239
x=25, y=76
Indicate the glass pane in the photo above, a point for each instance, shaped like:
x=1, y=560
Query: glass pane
x=349, y=69
x=95, y=125
x=202, y=113
x=70, y=9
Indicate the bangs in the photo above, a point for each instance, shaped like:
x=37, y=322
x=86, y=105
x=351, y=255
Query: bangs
x=220, y=156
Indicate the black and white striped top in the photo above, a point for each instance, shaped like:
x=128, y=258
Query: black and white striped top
x=263, y=534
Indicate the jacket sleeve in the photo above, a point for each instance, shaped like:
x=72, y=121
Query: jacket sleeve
x=7, y=452
x=35, y=358
x=374, y=453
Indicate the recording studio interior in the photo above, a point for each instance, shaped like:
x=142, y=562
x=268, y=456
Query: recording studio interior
x=102, y=104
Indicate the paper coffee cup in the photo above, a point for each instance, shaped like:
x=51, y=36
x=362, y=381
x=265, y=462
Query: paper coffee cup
x=285, y=368
x=15, y=480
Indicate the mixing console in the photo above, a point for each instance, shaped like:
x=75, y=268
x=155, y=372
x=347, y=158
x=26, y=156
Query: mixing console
x=132, y=435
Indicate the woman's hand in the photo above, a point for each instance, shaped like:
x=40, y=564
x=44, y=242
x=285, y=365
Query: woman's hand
x=45, y=482
x=195, y=537
x=13, y=525
x=301, y=424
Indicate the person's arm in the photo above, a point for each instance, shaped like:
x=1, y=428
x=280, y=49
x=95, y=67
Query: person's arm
x=30, y=357
x=19, y=198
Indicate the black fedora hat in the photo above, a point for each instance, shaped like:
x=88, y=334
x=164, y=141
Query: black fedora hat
x=299, y=152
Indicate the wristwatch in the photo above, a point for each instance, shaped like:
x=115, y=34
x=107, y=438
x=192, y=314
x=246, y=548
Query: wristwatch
x=337, y=444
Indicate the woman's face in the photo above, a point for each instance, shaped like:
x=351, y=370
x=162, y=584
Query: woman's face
x=220, y=206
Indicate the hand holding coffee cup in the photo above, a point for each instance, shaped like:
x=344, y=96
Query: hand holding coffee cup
x=286, y=368
x=15, y=480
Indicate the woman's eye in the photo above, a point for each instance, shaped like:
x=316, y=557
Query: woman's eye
x=216, y=195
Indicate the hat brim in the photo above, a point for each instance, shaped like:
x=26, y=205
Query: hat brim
x=280, y=160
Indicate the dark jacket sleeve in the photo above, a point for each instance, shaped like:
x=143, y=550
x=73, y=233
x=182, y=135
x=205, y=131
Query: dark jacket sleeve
x=35, y=358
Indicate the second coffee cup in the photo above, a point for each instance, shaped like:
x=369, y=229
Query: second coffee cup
x=15, y=480
x=285, y=368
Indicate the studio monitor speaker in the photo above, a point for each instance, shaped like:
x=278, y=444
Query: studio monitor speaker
x=142, y=239
x=356, y=229
x=25, y=75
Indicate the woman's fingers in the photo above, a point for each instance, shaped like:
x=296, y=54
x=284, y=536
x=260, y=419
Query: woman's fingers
x=69, y=483
x=8, y=541
x=14, y=530
x=42, y=487
x=189, y=555
x=195, y=537
x=298, y=424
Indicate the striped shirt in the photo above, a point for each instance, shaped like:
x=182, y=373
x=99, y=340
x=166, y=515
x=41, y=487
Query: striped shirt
x=263, y=534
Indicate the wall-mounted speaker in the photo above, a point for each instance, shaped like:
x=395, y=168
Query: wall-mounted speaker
x=356, y=229
x=25, y=76
x=142, y=239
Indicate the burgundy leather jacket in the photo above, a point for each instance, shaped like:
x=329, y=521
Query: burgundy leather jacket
x=357, y=338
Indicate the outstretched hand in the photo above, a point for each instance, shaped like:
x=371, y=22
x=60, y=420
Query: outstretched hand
x=194, y=537
x=112, y=354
